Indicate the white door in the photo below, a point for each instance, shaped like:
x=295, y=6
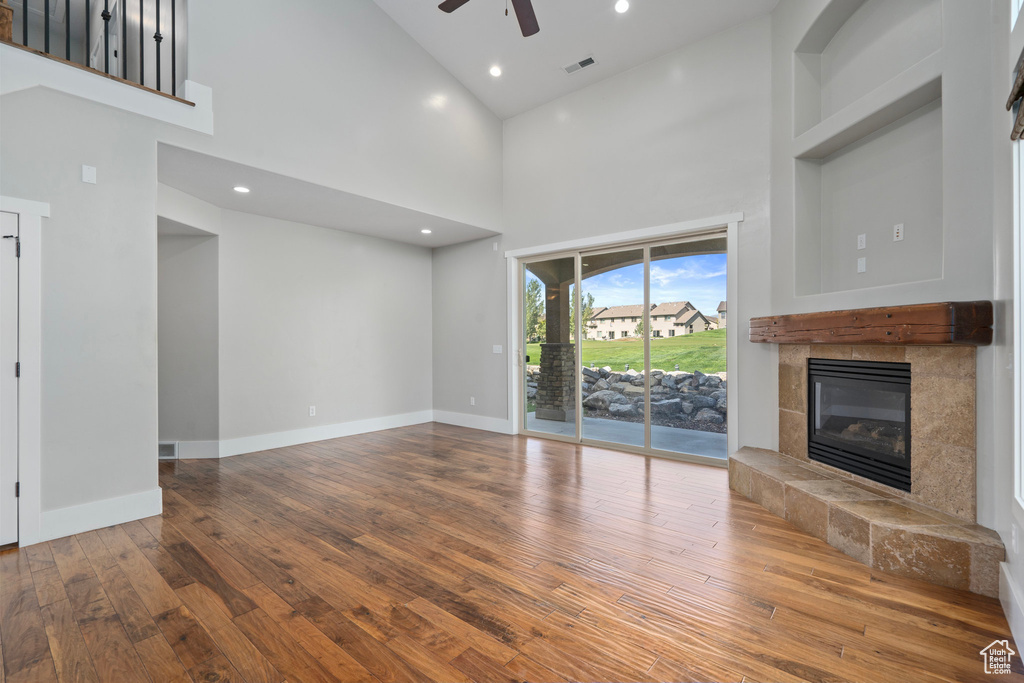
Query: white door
x=8, y=381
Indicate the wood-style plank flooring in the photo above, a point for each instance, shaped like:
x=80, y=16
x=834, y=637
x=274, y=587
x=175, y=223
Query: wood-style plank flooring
x=435, y=553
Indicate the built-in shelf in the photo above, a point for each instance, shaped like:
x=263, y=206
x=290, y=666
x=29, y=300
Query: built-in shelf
x=910, y=90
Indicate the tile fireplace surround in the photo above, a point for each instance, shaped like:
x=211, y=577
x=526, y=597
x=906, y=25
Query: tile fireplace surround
x=927, y=533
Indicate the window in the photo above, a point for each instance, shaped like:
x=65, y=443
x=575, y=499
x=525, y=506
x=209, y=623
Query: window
x=671, y=333
x=611, y=335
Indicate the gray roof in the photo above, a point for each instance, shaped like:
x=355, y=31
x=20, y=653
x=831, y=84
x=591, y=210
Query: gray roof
x=721, y=307
x=672, y=308
x=634, y=311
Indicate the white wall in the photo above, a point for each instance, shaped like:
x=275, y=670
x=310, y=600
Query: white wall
x=682, y=137
x=99, y=385
x=187, y=320
x=337, y=95
x=312, y=316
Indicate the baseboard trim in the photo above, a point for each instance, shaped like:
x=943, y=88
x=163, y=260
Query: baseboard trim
x=488, y=424
x=263, y=442
x=1012, y=601
x=78, y=519
x=198, y=450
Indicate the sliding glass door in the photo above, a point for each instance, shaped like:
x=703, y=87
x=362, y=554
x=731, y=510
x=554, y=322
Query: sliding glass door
x=627, y=347
x=549, y=370
x=612, y=386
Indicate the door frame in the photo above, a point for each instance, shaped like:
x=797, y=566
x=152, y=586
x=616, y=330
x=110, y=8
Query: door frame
x=30, y=222
x=662, y=233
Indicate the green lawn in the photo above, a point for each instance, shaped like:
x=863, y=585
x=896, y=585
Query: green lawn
x=704, y=351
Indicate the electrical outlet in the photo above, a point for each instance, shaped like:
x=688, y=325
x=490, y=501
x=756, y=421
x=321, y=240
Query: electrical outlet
x=89, y=174
x=312, y=411
x=897, y=232
x=862, y=265
x=472, y=400
x=862, y=241
x=496, y=348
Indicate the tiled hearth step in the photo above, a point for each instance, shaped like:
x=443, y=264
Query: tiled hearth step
x=879, y=529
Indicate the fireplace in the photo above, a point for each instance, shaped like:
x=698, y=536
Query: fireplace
x=859, y=418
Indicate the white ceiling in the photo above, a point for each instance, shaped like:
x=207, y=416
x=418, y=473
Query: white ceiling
x=277, y=196
x=478, y=35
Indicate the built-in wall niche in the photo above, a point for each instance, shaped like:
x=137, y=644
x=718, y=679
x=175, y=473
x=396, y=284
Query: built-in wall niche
x=856, y=47
x=893, y=176
x=867, y=146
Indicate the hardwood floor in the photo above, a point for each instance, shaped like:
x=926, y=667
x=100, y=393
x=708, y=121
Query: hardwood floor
x=435, y=553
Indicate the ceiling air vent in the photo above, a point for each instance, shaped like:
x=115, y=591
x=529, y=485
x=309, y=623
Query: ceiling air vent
x=576, y=66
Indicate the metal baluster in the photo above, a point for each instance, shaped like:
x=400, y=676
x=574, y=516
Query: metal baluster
x=24, y=23
x=174, y=48
x=88, y=35
x=46, y=26
x=106, y=36
x=142, y=46
x=159, y=39
x=124, y=39
x=67, y=30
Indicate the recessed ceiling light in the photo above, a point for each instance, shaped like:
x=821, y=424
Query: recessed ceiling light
x=621, y=6
x=426, y=231
x=495, y=70
x=242, y=189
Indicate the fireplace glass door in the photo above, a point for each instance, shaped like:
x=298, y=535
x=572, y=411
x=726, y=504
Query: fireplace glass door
x=860, y=418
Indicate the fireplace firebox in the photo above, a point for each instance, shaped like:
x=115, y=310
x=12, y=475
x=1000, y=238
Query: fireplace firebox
x=859, y=418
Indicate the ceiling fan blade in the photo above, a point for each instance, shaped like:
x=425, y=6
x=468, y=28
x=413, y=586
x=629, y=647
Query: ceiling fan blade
x=527, y=17
x=451, y=5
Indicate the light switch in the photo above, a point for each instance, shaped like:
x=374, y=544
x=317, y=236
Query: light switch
x=862, y=241
x=862, y=265
x=496, y=348
x=88, y=174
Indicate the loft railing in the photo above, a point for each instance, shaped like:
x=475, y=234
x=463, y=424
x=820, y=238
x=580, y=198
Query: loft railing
x=142, y=41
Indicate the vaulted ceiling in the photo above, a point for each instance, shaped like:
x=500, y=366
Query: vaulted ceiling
x=477, y=36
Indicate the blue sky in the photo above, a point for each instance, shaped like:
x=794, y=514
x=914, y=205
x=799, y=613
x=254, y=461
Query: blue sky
x=697, y=279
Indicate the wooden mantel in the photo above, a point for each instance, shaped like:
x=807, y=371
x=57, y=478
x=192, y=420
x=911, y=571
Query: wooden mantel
x=956, y=322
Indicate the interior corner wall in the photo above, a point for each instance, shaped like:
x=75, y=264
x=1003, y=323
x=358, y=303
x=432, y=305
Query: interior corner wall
x=317, y=317
x=469, y=319
x=99, y=291
x=188, y=342
x=685, y=136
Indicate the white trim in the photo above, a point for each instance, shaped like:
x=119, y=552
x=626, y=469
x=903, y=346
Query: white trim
x=30, y=334
x=294, y=437
x=198, y=450
x=732, y=341
x=515, y=356
x=1012, y=602
x=78, y=519
x=24, y=206
x=21, y=70
x=488, y=424
x=641, y=235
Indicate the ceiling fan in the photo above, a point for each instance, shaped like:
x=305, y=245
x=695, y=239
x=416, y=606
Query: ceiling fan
x=524, y=12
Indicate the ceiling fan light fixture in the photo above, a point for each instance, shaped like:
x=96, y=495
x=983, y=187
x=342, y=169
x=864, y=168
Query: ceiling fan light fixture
x=495, y=70
x=621, y=6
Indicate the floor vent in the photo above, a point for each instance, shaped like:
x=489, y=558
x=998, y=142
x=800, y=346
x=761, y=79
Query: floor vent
x=168, y=450
x=576, y=66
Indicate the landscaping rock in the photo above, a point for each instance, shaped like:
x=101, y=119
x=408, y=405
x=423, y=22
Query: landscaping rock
x=722, y=405
x=699, y=401
x=668, y=408
x=600, y=400
x=709, y=415
x=701, y=378
x=687, y=407
x=623, y=410
x=634, y=390
x=591, y=374
x=602, y=385
x=620, y=386
x=668, y=381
